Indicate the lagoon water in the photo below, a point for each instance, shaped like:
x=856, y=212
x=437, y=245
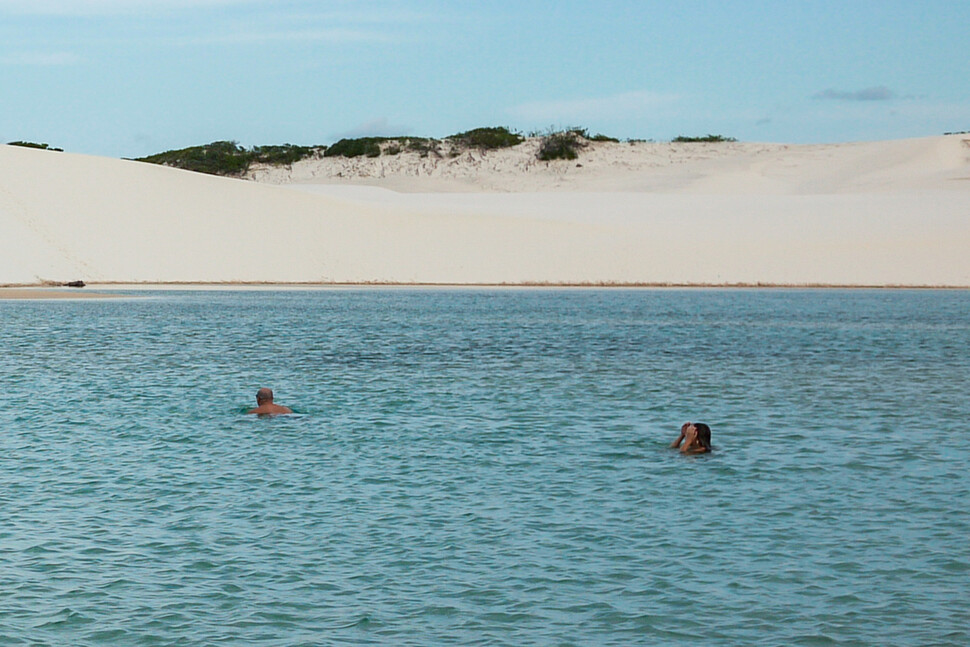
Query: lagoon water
x=486, y=467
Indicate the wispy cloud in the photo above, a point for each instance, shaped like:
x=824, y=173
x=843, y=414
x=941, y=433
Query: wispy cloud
x=334, y=35
x=348, y=11
x=380, y=127
x=40, y=59
x=229, y=22
x=817, y=121
x=875, y=93
x=99, y=7
x=617, y=106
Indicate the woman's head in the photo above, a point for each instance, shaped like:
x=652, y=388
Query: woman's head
x=703, y=434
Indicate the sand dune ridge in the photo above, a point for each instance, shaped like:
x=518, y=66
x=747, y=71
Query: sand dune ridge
x=880, y=213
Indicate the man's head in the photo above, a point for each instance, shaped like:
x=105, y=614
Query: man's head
x=264, y=396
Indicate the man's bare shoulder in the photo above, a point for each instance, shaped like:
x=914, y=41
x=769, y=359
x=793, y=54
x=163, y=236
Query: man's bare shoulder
x=270, y=409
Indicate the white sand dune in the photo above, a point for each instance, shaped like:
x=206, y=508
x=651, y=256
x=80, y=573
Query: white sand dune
x=883, y=213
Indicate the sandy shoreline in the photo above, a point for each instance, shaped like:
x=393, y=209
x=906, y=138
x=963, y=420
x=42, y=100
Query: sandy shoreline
x=38, y=293
x=109, y=289
x=649, y=215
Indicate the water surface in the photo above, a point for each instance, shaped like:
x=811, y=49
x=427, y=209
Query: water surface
x=486, y=467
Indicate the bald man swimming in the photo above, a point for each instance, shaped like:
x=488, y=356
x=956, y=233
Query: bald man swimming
x=265, y=405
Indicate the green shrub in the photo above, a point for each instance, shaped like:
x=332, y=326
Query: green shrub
x=562, y=145
x=599, y=137
x=421, y=145
x=217, y=158
x=487, y=138
x=43, y=147
x=284, y=155
x=229, y=158
x=705, y=139
x=369, y=146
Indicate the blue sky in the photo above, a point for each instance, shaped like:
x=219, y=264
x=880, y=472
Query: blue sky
x=125, y=78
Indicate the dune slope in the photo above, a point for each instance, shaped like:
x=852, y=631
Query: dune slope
x=885, y=213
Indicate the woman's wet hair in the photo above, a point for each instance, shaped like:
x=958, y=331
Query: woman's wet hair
x=703, y=434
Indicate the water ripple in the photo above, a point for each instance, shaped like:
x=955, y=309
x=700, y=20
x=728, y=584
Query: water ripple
x=486, y=467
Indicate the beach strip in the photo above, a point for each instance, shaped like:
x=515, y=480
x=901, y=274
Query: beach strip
x=50, y=293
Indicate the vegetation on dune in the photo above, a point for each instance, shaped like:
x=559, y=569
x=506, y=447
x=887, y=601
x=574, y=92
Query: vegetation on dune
x=422, y=145
x=217, y=158
x=284, y=155
x=229, y=158
x=567, y=143
x=377, y=146
x=480, y=138
x=562, y=144
x=705, y=139
x=43, y=147
x=361, y=146
x=487, y=138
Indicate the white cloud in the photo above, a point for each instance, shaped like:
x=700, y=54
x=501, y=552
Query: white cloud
x=334, y=35
x=86, y=7
x=345, y=11
x=617, y=106
x=379, y=127
x=875, y=93
x=40, y=59
x=815, y=121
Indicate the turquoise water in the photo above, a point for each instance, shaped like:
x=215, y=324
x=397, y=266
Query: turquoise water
x=486, y=467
